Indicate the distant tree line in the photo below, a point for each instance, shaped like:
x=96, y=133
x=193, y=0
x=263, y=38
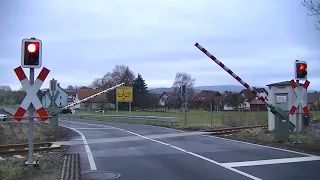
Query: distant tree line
x=142, y=99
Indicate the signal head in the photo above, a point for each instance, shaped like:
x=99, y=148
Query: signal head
x=302, y=67
x=32, y=47
x=31, y=56
x=301, y=70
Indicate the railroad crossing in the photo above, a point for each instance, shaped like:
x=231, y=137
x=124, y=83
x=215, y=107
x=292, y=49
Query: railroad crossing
x=300, y=93
x=283, y=123
x=31, y=97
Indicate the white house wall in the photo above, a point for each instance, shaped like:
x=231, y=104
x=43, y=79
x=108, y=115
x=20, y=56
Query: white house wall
x=61, y=101
x=163, y=99
x=227, y=108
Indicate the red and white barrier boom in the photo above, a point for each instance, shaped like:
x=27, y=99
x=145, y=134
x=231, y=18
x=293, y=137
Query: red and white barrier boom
x=273, y=109
x=93, y=96
x=31, y=96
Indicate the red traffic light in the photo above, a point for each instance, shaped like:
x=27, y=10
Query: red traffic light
x=302, y=67
x=32, y=47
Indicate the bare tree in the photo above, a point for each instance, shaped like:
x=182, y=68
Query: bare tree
x=183, y=79
x=314, y=9
x=122, y=74
x=70, y=87
x=5, y=88
x=97, y=83
x=119, y=74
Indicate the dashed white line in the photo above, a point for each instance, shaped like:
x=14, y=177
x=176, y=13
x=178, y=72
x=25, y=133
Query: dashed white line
x=180, y=149
x=271, y=161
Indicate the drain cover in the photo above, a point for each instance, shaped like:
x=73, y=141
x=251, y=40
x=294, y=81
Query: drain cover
x=101, y=175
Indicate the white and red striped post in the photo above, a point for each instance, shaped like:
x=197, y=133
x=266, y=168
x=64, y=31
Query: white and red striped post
x=233, y=74
x=300, y=93
x=31, y=96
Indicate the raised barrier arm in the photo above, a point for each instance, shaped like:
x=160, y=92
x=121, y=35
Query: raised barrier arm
x=273, y=109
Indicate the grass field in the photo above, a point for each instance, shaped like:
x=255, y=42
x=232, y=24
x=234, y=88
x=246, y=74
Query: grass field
x=201, y=118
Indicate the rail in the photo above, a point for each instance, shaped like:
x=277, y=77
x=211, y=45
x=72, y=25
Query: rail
x=21, y=149
x=236, y=129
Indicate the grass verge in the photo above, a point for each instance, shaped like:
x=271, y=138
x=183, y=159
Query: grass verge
x=264, y=137
x=195, y=119
x=11, y=168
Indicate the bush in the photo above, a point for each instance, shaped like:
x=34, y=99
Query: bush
x=66, y=111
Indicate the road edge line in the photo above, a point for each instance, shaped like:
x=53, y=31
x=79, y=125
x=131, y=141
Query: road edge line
x=259, y=145
x=92, y=163
x=237, y=141
x=182, y=150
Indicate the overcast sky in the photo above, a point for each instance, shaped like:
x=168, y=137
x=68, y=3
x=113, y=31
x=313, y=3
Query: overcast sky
x=82, y=40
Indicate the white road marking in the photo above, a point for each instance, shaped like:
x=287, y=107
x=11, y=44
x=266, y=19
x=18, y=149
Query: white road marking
x=271, y=161
x=179, y=149
x=270, y=147
x=242, y=142
x=93, y=128
x=92, y=164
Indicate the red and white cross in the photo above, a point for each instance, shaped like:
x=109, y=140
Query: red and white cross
x=31, y=96
x=300, y=93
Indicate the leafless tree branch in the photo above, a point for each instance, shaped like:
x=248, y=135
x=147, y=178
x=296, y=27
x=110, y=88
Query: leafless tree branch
x=313, y=8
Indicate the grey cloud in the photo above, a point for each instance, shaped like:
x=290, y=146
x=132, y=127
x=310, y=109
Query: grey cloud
x=82, y=40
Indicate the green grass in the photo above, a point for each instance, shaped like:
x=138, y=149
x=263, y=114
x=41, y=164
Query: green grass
x=196, y=118
x=199, y=118
x=315, y=115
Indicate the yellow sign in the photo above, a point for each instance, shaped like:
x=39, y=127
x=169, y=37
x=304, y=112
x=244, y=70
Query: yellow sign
x=124, y=94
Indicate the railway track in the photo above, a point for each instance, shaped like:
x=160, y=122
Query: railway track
x=238, y=129
x=22, y=149
x=235, y=129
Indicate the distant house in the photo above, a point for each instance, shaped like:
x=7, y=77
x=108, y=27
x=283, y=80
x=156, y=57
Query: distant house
x=167, y=99
x=251, y=100
x=257, y=105
x=61, y=101
x=219, y=102
x=99, y=102
x=73, y=97
x=226, y=103
x=203, y=99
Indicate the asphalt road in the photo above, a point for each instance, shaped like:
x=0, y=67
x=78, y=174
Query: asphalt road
x=140, y=152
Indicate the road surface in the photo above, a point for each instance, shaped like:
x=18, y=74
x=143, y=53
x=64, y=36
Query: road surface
x=141, y=152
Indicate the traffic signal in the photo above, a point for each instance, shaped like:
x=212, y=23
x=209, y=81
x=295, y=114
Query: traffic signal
x=301, y=70
x=31, y=56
